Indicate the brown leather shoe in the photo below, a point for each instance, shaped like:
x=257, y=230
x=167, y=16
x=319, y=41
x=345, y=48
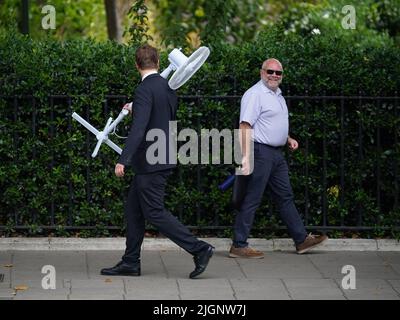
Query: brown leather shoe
x=246, y=252
x=310, y=242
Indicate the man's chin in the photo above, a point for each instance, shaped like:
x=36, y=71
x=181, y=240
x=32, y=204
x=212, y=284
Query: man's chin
x=273, y=85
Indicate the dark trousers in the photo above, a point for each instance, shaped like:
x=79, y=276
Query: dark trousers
x=146, y=201
x=270, y=169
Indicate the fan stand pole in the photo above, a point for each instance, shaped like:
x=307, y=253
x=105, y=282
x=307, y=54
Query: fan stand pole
x=102, y=136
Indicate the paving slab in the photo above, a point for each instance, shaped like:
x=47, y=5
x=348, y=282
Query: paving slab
x=390, y=257
x=396, y=267
x=284, y=257
x=97, y=260
x=394, y=283
x=5, y=258
x=95, y=289
x=260, y=268
x=345, y=258
x=27, y=265
x=362, y=283
x=7, y=294
x=180, y=264
x=330, y=245
x=313, y=289
x=152, y=265
x=362, y=271
x=40, y=294
x=206, y=289
x=151, y=289
x=63, y=261
x=370, y=289
x=318, y=293
x=5, y=269
x=94, y=295
x=259, y=289
x=106, y=283
x=150, y=296
x=35, y=284
x=310, y=283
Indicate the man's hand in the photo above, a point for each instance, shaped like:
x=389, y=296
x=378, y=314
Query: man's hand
x=119, y=170
x=245, y=168
x=128, y=106
x=293, y=144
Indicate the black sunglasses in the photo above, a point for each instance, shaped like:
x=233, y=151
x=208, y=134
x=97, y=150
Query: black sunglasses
x=270, y=71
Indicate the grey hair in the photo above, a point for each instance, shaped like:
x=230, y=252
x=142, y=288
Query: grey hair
x=270, y=60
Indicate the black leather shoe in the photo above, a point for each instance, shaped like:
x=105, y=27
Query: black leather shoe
x=201, y=261
x=122, y=269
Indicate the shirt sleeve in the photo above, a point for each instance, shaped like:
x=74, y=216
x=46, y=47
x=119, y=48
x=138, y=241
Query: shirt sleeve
x=250, y=108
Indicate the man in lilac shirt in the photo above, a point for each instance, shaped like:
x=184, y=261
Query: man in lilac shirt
x=263, y=109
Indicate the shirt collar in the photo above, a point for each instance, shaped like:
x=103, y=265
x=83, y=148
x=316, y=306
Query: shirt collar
x=149, y=73
x=278, y=92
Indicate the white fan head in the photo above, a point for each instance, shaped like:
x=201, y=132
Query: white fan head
x=185, y=67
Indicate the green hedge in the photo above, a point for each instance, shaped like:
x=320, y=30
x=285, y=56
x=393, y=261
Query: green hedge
x=41, y=166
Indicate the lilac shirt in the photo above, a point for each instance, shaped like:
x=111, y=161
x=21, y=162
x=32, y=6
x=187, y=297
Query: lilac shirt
x=267, y=113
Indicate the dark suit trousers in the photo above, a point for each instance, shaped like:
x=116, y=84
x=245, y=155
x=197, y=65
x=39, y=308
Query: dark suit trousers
x=270, y=169
x=146, y=201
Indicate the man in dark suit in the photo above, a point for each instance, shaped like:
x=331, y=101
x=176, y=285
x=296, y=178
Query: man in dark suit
x=154, y=106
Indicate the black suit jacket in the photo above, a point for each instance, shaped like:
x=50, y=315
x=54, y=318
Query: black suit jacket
x=154, y=105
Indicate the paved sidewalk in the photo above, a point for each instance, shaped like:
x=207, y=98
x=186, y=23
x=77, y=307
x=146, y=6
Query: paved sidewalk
x=280, y=275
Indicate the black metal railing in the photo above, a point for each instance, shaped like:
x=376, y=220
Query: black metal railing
x=338, y=144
